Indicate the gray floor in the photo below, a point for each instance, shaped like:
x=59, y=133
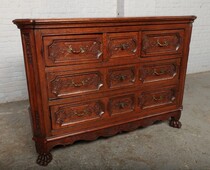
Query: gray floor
x=155, y=147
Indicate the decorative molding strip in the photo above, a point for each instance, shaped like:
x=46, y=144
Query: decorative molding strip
x=28, y=47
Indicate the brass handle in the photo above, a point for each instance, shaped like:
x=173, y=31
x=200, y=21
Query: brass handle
x=122, y=46
x=82, y=83
x=164, y=44
x=155, y=72
x=82, y=113
x=157, y=98
x=122, y=105
x=78, y=84
x=122, y=77
x=71, y=50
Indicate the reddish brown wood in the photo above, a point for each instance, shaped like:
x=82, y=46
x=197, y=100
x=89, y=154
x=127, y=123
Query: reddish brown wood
x=98, y=77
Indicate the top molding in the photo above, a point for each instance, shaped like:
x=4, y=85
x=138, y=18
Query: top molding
x=90, y=22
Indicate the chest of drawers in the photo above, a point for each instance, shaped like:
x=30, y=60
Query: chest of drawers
x=98, y=77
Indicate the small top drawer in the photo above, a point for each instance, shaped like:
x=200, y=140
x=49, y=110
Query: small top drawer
x=74, y=49
x=121, y=45
x=162, y=42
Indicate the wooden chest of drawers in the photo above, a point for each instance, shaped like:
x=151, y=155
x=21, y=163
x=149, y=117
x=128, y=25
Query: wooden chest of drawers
x=98, y=77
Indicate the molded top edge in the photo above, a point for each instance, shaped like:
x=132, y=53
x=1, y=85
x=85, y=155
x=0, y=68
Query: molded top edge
x=59, y=21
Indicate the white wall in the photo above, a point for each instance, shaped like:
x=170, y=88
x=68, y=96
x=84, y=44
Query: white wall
x=199, y=57
x=12, y=73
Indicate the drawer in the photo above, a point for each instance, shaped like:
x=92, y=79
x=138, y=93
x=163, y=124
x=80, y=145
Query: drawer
x=159, y=71
x=73, y=49
x=159, y=97
x=121, y=76
x=162, y=42
x=122, y=44
x=121, y=104
x=64, y=116
x=67, y=83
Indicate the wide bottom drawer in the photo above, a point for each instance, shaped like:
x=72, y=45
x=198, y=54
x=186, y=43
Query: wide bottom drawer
x=85, y=115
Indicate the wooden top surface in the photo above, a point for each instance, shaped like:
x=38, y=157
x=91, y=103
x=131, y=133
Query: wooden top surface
x=60, y=21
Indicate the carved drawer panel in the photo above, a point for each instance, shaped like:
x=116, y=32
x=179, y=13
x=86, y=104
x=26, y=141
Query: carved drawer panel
x=62, y=84
x=119, y=77
x=66, y=115
x=158, y=97
x=162, y=42
x=121, y=104
x=122, y=44
x=158, y=71
x=63, y=50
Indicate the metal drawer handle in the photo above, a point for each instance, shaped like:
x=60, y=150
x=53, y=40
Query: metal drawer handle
x=161, y=72
x=78, y=84
x=122, y=105
x=164, y=44
x=158, y=98
x=82, y=83
x=124, y=46
x=71, y=50
x=82, y=113
x=122, y=77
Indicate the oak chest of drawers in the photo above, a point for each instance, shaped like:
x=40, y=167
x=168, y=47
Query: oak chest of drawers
x=97, y=77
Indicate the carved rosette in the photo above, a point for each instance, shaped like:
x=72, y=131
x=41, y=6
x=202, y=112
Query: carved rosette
x=26, y=37
x=153, y=73
x=67, y=114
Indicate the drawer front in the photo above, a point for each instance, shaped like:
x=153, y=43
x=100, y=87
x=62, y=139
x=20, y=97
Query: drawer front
x=121, y=76
x=158, y=97
x=122, y=44
x=162, y=42
x=121, y=104
x=159, y=71
x=64, y=84
x=66, y=115
x=75, y=49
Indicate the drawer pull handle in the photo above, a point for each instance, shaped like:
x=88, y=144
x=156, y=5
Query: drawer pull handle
x=124, y=46
x=122, y=77
x=122, y=105
x=161, y=72
x=82, y=83
x=71, y=50
x=82, y=113
x=164, y=44
x=78, y=84
x=86, y=112
x=157, y=98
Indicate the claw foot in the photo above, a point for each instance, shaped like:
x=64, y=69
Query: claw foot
x=44, y=158
x=175, y=123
